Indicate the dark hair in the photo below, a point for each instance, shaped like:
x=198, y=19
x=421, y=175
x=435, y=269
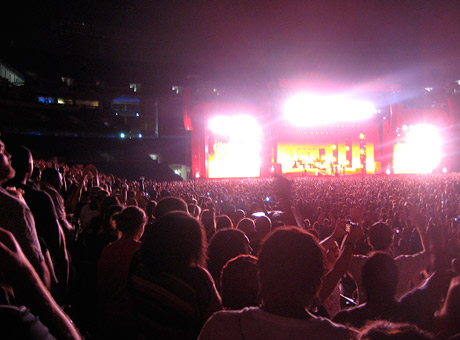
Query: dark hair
x=168, y=204
x=237, y=215
x=130, y=219
x=263, y=224
x=223, y=222
x=380, y=276
x=111, y=211
x=223, y=246
x=20, y=159
x=51, y=176
x=380, y=236
x=239, y=283
x=107, y=202
x=290, y=266
x=174, y=242
x=247, y=226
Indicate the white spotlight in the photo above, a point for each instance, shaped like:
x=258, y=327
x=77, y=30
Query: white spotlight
x=311, y=110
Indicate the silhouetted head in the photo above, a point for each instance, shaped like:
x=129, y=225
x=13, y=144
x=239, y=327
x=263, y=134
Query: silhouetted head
x=291, y=267
x=239, y=284
x=52, y=177
x=263, y=225
x=238, y=215
x=247, y=226
x=131, y=221
x=380, y=236
x=168, y=204
x=21, y=161
x=223, y=246
x=223, y=222
x=174, y=242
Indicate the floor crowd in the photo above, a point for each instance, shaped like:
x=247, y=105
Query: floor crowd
x=88, y=255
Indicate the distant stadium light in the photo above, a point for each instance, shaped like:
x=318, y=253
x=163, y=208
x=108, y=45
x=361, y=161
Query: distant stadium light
x=122, y=135
x=139, y=135
x=311, y=110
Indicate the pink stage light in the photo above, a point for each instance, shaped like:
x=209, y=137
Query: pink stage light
x=420, y=152
x=236, y=148
x=312, y=110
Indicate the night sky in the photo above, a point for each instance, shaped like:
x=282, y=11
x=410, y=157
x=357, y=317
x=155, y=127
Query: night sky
x=260, y=40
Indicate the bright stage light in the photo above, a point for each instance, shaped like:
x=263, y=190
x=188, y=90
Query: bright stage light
x=236, y=148
x=311, y=110
x=444, y=170
x=239, y=125
x=420, y=153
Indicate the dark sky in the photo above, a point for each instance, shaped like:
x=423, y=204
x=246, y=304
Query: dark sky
x=269, y=39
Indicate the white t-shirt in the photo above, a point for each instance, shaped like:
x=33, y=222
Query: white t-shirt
x=253, y=323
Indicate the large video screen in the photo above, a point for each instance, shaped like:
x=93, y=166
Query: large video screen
x=301, y=157
x=234, y=147
x=418, y=151
x=325, y=158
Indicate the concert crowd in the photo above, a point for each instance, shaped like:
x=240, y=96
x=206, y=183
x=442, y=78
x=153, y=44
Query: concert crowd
x=90, y=255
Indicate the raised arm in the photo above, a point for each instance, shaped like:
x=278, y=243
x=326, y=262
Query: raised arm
x=341, y=266
x=17, y=271
x=421, y=225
